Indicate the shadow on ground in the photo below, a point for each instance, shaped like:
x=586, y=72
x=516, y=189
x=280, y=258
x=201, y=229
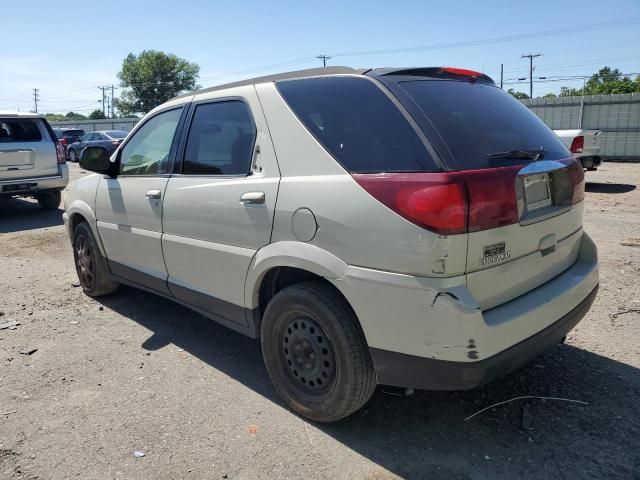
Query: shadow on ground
x=425, y=435
x=18, y=214
x=609, y=187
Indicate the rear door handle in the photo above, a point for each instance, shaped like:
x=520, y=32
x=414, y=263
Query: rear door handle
x=155, y=194
x=252, y=198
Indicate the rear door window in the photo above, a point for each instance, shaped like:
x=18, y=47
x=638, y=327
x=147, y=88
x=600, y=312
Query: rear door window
x=357, y=124
x=19, y=130
x=476, y=121
x=220, y=140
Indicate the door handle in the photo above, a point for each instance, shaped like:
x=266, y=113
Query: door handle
x=252, y=198
x=154, y=194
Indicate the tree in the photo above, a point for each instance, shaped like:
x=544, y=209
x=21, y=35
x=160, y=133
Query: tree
x=606, y=81
x=549, y=95
x=97, y=114
x=74, y=116
x=518, y=95
x=153, y=77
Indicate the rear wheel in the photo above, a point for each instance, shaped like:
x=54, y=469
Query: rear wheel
x=91, y=266
x=49, y=200
x=315, y=352
x=73, y=156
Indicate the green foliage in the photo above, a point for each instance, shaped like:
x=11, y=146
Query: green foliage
x=518, y=95
x=97, y=114
x=74, y=116
x=153, y=77
x=549, y=95
x=54, y=117
x=605, y=82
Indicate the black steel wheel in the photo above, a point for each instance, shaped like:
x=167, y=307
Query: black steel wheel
x=91, y=266
x=316, y=353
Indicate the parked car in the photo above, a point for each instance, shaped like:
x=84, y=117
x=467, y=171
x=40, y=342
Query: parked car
x=32, y=160
x=108, y=139
x=67, y=136
x=410, y=227
x=584, y=146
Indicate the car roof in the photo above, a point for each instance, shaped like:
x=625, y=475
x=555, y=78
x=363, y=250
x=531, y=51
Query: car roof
x=12, y=113
x=325, y=71
x=309, y=72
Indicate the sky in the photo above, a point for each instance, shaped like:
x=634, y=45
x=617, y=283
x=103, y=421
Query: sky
x=68, y=49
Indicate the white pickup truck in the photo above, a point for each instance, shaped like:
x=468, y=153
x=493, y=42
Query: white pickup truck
x=584, y=145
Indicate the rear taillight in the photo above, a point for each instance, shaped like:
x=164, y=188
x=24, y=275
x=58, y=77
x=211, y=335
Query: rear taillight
x=577, y=178
x=60, y=154
x=448, y=203
x=64, y=141
x=577, y=145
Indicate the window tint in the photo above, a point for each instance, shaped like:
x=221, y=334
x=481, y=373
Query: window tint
x=220, y=140
x=116, y=133
x=147, y=152
x=476, y=120
x=87, y=137
x=22, y=130
x=357, y=123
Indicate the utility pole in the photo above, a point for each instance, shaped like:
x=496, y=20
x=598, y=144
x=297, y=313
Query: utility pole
x=531, y=56
x=103, y=99
x=113, y=113
x=324, y=59
x=501, y=74
x=36, y=96
x=108, y=107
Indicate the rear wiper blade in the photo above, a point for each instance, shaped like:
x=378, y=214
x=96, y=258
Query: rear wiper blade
x=534, y=154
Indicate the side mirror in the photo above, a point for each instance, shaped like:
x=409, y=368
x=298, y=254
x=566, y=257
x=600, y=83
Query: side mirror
x=96, y=159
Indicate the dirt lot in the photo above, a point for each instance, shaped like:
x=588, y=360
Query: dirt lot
x=84, y=383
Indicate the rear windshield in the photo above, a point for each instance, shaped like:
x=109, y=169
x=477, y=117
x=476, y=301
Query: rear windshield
x=357, y=124
x=23, y=130
x=73, y=133
x=477, y=120
x=116, y=133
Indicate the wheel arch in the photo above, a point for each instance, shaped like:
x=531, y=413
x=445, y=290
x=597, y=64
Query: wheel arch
x=79, y=211
x=299, y=262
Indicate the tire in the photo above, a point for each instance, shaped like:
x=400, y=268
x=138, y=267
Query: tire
x=49, y=200
x=91, y=266
x=73, y=156
x=315, y=352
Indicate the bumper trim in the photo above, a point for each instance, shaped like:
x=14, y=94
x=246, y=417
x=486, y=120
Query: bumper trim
x=402, y=370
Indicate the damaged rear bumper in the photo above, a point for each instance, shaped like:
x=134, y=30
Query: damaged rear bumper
x=403, y=370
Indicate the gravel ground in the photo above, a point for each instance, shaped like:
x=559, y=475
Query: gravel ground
x=85, y=383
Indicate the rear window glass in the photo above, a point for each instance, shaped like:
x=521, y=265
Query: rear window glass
x=116, y=133
x=357, y=124
x=19, y=131
x=477, y=120
x=73, y=133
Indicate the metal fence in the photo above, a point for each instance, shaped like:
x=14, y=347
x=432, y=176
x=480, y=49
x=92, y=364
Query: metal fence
x=618, y=116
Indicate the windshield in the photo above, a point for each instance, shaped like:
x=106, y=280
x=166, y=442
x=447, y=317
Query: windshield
x=483, y=126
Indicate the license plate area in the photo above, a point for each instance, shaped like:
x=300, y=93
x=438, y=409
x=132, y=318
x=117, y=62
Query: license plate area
x=537, y=191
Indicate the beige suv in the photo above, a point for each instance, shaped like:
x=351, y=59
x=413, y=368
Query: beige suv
x=412, y=227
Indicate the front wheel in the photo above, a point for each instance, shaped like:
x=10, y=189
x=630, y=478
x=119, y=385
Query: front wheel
x=315, y=352
x=91, y=266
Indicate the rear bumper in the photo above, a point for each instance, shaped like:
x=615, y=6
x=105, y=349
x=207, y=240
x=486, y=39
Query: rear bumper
x=403, y=370
x=431, y=333
x=34, y=185
x=590, y=162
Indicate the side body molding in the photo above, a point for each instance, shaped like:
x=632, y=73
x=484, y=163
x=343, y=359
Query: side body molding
x=289, y=254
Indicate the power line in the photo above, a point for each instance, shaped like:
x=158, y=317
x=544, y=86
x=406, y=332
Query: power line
x=508, y=38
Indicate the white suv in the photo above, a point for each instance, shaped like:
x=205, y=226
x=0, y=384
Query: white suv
x=32, y=160
x=411, y=227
